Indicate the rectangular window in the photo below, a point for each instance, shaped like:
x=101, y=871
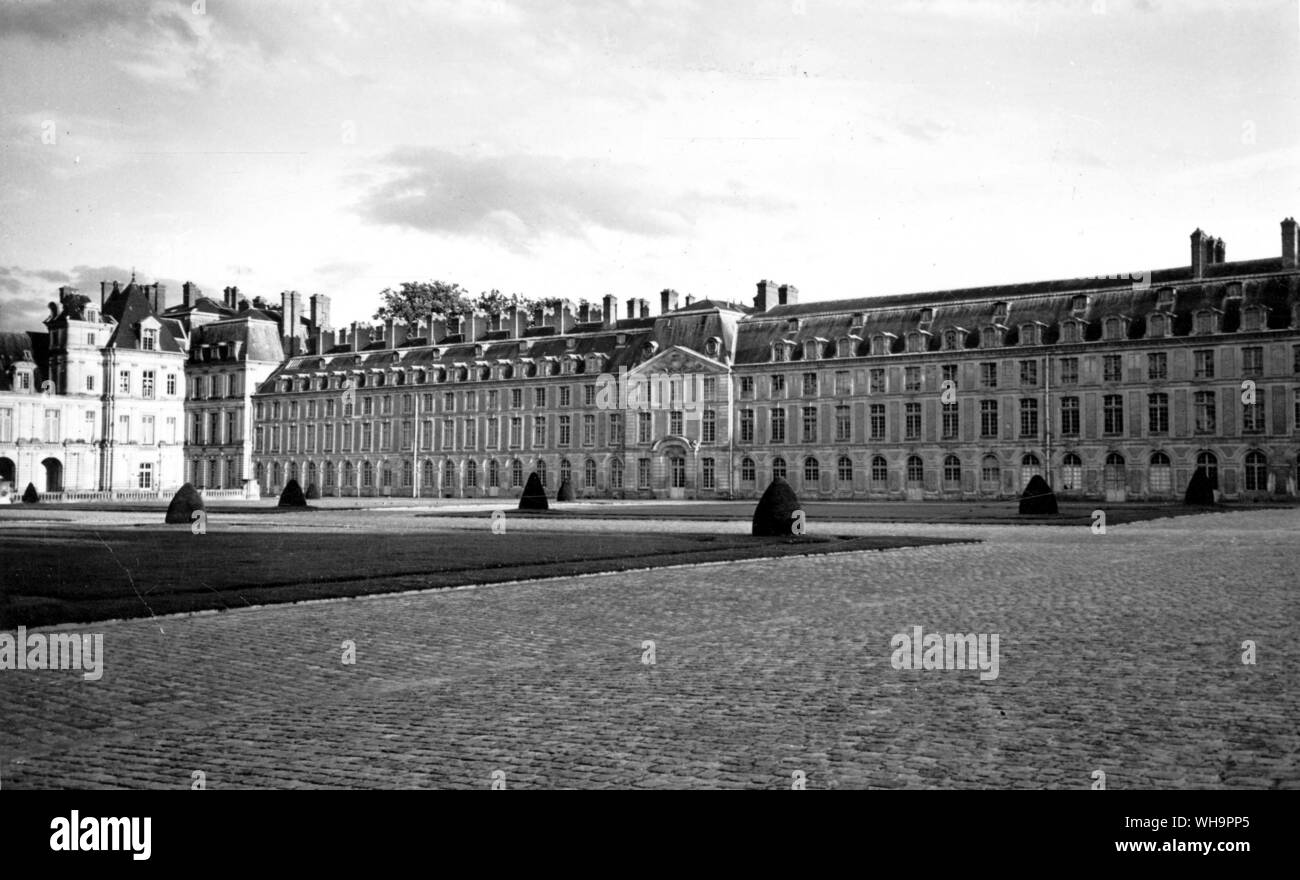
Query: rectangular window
x=516, y=432
x=145, y=479
x=1029, y=373
x=877, y=421
x=565, y=392
x=747, y=382
x=1113, y=414
x=588, y=430
x=1028, y=417
x=539, y=397
x=809, y=384
x=493, y=432
x=843, y=423
x=643, y=427
x=1158, y=413
x=876, y=380
x=494, y=400
x=516, y=398
x=950, y=421
x=448, y=434
x=988, y=418
x=778, y=425
x=988, y=375
x=643, y=473
x=1157, y=366
x=1069, y=371
x=675, y=418
x=616, y=435
x=911, y=421
x=147, y=429
x=149, y=340
x=843, y=383
x=1252, y=361
x=1112, y=368
x=471, y=434
x=810, y=424
x=778, y=386
x=52, y=426
x=1252, y=414
x=948, y=373
x=124, y=382
x=709, y=426
x=588, y=395
x=171, y=384
x=1204, y=364
x=539, y=431
x=1205, y=412
x=147, y=384
x=123, y=429
x=565, y=429
x=746, y=426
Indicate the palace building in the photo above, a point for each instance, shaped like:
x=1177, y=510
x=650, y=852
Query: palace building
x=1111, y=388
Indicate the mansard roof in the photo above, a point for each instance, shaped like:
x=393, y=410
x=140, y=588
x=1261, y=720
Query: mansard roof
x=258, y=338
x=128, y=307
x=23, y=347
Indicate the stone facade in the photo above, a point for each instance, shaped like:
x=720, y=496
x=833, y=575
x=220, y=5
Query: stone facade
x=1114, y=388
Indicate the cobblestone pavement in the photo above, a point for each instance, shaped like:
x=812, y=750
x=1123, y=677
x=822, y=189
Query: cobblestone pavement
x=1119, y=652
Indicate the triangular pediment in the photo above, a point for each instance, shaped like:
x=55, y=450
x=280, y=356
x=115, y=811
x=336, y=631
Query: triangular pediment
x=679, y=359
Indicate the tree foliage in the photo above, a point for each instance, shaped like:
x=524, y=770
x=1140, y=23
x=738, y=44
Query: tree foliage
x=417, y=300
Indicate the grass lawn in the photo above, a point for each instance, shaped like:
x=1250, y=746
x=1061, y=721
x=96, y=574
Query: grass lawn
x=67, y=574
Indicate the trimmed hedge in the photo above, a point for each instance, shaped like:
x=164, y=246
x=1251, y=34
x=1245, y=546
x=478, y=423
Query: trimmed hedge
x=30, y=496
x=534, y=497
x=566, y=492
x=1200, y=489
x=312, y=492
x=774, y=514
x=292, y=495
x=184, y=503
x=1038, y=497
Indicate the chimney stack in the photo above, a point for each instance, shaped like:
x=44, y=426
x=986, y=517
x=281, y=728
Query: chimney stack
x=584, y=312
x=159, y=298
x=438, y=328
x=668, y=301
x=788, y=295
x=563, y=317
x=1199, y=241
x=690, y=300
x=320, y=311
x=103, y=285
x=390, y=333
x=356, y=336
x=231, y=297
x=1220, y=250
x=766, y=296
x=631, y=309
x=609, y=311
x=539, y=315
x=473, y=325
x=645, y=307
x=1289, y=243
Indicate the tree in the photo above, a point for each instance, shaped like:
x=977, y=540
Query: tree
x=495, y=301
x=417, y=300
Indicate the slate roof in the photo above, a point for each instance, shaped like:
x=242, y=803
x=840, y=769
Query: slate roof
x=258, y=336
x=23, y=347
x=128, y=307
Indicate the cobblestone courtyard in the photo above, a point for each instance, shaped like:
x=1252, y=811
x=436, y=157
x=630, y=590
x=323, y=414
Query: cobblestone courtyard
x=1119, y=652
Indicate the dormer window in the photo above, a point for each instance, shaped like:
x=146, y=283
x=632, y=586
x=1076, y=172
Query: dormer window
x=844, y=347
x=927, y=318
x=881, y=343
x=1031, y=334
x=952, y=339
x=149, y=339
x=1071, y=331
x=1158, y=325
x=1206, y=321
x=1253, y=318
x=1115, y=327
x=991, y=337
x=810, y=350
x=1234, y=291
x=918, y=341
x=1165, y=299
x=779, y=351
x=712, y=346
x=1000, y=311
x=791, y=325
x=1079, y=304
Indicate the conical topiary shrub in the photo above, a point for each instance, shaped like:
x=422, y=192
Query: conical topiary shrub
x=186, y=500
x=1200, y=489
x=565, y=492
x=312, y=492
x=30, y=496
x=1038, y=497
x=774, y=514
x=292, y=495
x=534, y=497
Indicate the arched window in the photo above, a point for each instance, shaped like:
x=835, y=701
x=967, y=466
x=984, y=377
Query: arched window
x=1030, y=467
x=1071, y=472
x=778, y=467
x=471, y=474
x=566, y=470
x=990, y=473
x=677, y=471
x=952, y=471
x=747, y=470
x=616, y=474
x=1114, y=471
x=812, y=470
x=494, y=474
x=915, y=470
x=879, y=471
x=448, y=474
x=1209, y=462
x=349, y=474
x=1256, y=471
x=408, y=471
x=844, y=469
x=541, y=472
x=367, y=475
x=516, y=473
x=329, y=476
x=426, y=474
x=387, y=475
x=1160, y=478
x=589, y=473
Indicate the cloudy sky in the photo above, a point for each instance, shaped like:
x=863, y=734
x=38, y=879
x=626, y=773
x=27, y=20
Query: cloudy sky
x=581, y=148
